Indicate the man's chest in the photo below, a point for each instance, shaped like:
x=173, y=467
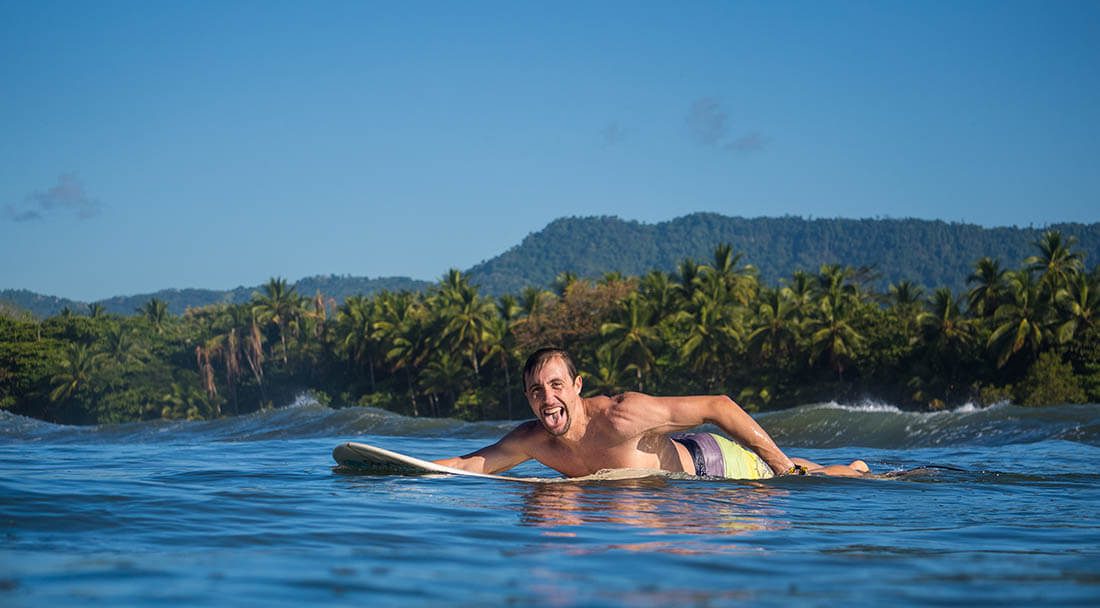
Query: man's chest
x=595, y=454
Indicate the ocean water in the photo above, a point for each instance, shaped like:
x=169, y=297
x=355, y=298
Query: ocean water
x=249, y=512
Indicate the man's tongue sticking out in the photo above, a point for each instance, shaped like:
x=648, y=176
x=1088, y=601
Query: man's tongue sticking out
x=555, y=419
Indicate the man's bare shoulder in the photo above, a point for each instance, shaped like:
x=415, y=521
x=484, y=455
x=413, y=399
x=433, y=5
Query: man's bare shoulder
x=523, y=429
x=526, y=434
x=609, y=406
x=628, y=400
x=632, y=408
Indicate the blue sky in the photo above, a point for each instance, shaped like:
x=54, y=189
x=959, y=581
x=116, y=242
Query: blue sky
x=148, y=145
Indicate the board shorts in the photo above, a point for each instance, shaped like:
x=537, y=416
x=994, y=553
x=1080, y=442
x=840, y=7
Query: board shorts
x=717, y=456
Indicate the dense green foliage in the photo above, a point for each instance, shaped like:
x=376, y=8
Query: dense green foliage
x=1029, y=334
x=929, y=254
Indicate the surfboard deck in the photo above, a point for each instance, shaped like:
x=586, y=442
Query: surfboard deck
x=373, y=459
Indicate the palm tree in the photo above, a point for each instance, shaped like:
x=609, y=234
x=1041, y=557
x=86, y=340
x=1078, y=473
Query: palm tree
x=905, y=301
x=501, y=341
x=776, y=328
x=119, y=346
x=1078, y=306
x=802, y=290
x=278, y=305
x=989, y=289
x=508, y=308
x=356, y=333
x=712, y=337
x=227, y=348
x=182, y=402
x=1021, y=322
x=96, y=310
x=443, y=375
x=612, y=277
x=78, y=368
x=632, y=337
x=203, y=356
x=313, y=315
x=1056, y=264
x=741, y=284
x=156, y=312
x=831, y=324
x=607, y=379
x=533, y=301
x=836, y=281
x=236, y=340
x=832, y=333
x=945, y=327
x=687, y=280
x=563, y=282
x=401, y=328
x=466, y=317
x=905, y=294
x=659, y=293
x=253, y=348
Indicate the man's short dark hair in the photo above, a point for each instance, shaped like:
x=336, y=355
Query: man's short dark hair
x=539, y=358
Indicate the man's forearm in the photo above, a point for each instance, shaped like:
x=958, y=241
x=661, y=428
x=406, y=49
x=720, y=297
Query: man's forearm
x=742, y=427
x=474, y=465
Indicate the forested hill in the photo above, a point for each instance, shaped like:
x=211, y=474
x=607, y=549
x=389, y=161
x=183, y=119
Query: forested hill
x=179, y=300
x=930, y=253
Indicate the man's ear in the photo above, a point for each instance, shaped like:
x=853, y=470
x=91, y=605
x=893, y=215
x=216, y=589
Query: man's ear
x=578, y=383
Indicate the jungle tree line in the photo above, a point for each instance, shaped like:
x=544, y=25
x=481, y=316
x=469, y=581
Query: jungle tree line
x=1028, y=335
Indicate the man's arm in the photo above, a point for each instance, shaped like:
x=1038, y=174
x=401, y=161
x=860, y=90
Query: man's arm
x=671, y=414
x=510, y=451
x=740, y=426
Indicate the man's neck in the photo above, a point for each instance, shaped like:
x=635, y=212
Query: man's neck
x=578, y=426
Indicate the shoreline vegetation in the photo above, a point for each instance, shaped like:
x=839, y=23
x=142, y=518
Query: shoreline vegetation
x=1029, y=335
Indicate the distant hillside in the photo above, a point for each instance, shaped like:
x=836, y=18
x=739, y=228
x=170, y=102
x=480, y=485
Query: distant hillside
x=38, y=304
x=931, y=253
x=179, y=300
x=332, y=286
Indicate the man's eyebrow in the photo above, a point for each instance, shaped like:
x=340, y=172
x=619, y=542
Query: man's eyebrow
x=550, y=381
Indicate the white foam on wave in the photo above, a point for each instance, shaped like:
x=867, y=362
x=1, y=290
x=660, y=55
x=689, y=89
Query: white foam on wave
x=969, y=407
x=305, y=399
x=866, y=406
x=877, y=406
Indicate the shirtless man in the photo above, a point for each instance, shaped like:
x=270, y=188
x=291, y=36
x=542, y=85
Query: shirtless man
x=579, y=436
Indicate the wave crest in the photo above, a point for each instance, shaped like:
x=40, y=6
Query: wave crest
x=821, y=425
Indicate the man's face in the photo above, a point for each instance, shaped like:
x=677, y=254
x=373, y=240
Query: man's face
x=553, y=396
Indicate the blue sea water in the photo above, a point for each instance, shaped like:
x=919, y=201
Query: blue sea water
x=249, y=511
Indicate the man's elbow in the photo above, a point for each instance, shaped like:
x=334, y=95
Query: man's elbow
x=725, y=402
x=722, y=407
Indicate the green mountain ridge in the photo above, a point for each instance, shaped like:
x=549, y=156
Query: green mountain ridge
x=179, y=300
x=927, y=252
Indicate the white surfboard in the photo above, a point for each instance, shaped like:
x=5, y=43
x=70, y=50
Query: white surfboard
x=370, y=458
x=373, y=459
